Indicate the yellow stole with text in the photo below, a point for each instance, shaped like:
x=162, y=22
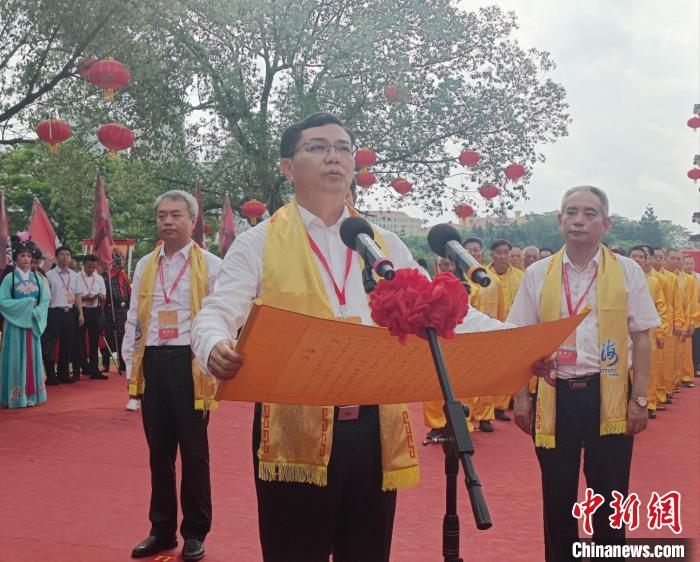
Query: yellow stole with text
x=611, y=305
x=296, y=441
x=204, y=385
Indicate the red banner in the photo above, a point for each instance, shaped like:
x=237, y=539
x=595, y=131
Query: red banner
x=42, y=233
x=227, y=231
x=102, y=226
x=198, y=234
x=5, y=247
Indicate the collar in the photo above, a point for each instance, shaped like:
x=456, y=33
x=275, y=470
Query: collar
x=86, y=275
x=310, y=219
x=184, y=251
x=594, y=261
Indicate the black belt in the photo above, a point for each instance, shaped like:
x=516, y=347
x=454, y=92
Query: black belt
x=165, y=352
x=584, y=382
x=62, y=308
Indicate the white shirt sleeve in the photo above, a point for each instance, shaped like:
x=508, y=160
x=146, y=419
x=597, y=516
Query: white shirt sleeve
x=226, y=308
x=131, y=317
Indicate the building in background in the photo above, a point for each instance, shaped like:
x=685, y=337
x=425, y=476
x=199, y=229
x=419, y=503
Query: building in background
x=397, y=222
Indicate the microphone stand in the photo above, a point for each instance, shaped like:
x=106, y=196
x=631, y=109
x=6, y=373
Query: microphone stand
x=457, y=446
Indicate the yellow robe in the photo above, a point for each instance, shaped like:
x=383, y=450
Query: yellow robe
x=679, y=355
x=675, y=314
x=510, y=281
x=687, y=370
x=489, y=300
x=656, y=392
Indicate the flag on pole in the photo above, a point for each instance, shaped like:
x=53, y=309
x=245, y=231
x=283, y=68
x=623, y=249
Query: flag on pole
x=227, y=230
x=198, y=234
x=42, y=233
x=102, y=240
x=5, y=247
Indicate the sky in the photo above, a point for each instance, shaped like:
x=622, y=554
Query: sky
x=631, y=70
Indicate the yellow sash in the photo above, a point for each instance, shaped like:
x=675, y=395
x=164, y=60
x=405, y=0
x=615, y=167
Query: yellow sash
x=204, y=385
x=611, y=305
x=296, y=441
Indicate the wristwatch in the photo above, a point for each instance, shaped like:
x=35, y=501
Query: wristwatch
x=641, y=401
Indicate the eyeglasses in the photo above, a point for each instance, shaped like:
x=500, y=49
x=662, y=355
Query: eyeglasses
x=321, y=147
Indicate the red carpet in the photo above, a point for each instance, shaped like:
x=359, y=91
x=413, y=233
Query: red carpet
x=74, y=482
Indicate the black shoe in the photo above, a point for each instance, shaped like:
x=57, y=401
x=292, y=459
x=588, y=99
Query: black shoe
x=652, y=415
x=688, y=384
x=501, y=415
x=485, y=426
x=193, y=550
x=98, y=377
x=75, y=377
x=153, y=545
x=435, y=434
x=65, y=380
x=51, y=381
x=668, y=400
x=660, y=408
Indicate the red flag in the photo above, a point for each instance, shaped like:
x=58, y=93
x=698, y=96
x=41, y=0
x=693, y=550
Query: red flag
x=5, y=248
x=102, y=241
x=227, y=230
x=42, y=233
x=198, y=234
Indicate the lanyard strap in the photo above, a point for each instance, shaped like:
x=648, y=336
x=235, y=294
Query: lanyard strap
x=65, y=285
x=340, y=292
x=574, y=311
x=89, y=289
x=180, y=275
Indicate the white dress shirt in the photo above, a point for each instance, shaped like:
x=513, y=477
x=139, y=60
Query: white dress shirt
x=179, y=300
x=240, y=282
x=641, y=312
x=62, y=281
x=92, y=285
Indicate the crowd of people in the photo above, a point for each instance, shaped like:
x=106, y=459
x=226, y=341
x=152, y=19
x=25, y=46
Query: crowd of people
x=326, y=478
x=77, y=315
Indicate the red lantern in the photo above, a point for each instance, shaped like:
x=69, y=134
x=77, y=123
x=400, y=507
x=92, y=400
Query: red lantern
x=83, y=67
x=115, y=137
x=364, y=158
x=515, y=172
x=464, y=211
x=694, y=174
x=365, y=179
x=401, y=185
x=109, y=75
x=253, y=210
x=469, y=158
x=395, y=93
x=54, y=132
x=489, y=191
x=694, y=122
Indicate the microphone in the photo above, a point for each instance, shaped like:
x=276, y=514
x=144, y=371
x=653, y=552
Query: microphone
x=446, y=242
x=357, y=234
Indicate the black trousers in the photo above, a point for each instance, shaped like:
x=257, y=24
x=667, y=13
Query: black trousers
x=606, y=466
x=61, y=327
x=169, y=421
x=350, y=518
x=88, y=337
x=696, y=349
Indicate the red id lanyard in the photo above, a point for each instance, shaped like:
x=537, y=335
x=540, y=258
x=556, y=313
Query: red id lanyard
x=66, y=286
x=89, y=289
x=574, y=311
x=167, y=296
x=340, y=292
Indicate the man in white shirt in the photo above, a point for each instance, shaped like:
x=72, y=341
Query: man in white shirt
x=588, y=383
x=93, y=297
x=349, y=516
x=64, y=319
x=160, y=370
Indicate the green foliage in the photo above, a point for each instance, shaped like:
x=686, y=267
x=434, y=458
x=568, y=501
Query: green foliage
x=214, y=83
x=542, y=231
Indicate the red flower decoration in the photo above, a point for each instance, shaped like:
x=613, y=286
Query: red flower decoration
x=410, y=303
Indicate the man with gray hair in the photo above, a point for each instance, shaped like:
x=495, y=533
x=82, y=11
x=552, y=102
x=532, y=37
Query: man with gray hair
x=530, y=255
x=169, y=286
x=588, y=400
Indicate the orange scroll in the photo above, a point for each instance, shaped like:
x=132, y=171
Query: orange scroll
x=290, y=358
